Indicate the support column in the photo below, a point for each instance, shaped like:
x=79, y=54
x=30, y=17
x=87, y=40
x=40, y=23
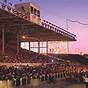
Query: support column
x=17, y=43
x=29, y=47
x=46, y=47
x=39, y=47
x=68, y=47
x=3, y=41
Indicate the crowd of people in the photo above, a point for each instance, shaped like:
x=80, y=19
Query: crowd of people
x=11, y=55
x=43, y=72
x=50, y=68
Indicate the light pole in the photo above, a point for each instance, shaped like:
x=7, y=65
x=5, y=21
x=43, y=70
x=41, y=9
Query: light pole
x=67, y=39
x=74, y=21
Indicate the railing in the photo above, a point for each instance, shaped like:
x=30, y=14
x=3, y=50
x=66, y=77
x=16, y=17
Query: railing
x=55, y=28
x=43, y=23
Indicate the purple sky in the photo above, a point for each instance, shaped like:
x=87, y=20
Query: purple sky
x=56, y=11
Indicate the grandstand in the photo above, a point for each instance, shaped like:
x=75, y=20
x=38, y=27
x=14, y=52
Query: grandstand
x=76, y=58
x=22, y=25
x=17, y=26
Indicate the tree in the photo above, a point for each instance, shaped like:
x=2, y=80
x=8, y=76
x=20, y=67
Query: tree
x=20, y=0
x=5, y=1
x=10, y=4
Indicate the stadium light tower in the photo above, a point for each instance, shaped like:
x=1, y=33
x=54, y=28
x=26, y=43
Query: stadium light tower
x=74, y=21
x=67, y=40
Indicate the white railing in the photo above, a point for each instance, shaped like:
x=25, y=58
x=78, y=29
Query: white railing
x=55, y=28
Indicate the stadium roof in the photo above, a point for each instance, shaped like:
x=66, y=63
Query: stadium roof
x=14, y=21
